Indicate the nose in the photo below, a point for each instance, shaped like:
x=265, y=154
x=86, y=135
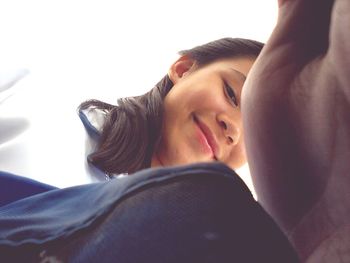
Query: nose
x=229, y=129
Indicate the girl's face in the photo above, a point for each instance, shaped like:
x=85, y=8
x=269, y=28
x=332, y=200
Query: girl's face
x=202, y=114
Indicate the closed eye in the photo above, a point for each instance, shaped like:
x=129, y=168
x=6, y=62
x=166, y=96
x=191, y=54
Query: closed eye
x=230, y=94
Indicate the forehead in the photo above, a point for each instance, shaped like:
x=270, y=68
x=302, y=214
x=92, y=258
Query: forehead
x=239, y=66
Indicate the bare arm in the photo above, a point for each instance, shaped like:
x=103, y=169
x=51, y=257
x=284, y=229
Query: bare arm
x=296, y=113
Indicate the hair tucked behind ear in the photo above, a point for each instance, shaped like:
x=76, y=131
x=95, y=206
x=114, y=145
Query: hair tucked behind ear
x=133, y=127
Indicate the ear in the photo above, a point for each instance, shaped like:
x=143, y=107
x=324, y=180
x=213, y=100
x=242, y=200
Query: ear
x=180, y=68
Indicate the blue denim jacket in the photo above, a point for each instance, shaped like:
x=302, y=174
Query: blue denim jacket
x=32, y=224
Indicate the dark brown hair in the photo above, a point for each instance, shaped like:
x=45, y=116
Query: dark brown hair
x=132, y=128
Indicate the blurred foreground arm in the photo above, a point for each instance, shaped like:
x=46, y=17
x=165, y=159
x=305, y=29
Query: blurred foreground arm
x=296, y=113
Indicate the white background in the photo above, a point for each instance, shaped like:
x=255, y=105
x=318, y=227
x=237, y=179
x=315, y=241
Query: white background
x=77, y=50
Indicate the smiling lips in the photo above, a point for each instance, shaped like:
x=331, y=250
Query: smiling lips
x=207, y=138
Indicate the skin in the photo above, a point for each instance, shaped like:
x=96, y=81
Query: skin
x=296, y=114
x=199, y=95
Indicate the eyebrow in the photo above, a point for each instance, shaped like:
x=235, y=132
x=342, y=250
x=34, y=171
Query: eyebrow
x=239, y=74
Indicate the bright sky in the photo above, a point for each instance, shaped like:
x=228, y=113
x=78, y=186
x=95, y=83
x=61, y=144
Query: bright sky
x=77, y=50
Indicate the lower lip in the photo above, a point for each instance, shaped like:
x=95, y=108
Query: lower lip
x=204, y=145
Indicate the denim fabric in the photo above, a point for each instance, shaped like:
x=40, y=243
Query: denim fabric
x=14, y=187
x=195, y=213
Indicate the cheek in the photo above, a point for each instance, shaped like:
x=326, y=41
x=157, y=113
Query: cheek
x=175, y=149
x=240, y=154
x=237, y=158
